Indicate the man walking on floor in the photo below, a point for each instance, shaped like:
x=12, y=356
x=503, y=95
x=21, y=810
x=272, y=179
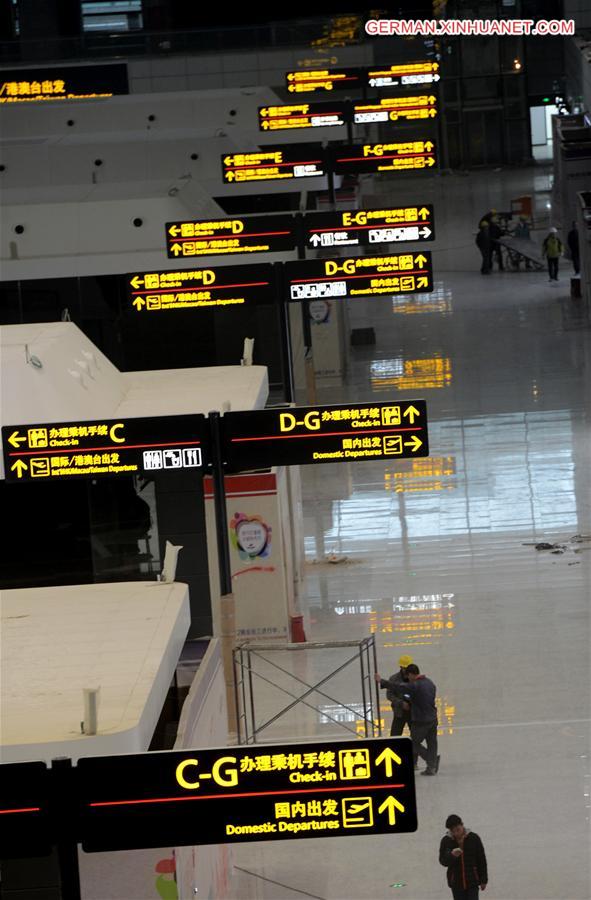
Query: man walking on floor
x=420, y=693
x=461, y=851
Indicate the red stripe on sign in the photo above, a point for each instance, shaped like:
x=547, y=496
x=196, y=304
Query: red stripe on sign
x=227, y=237
x=201, y=287
x=358, y=431
x=346, y=277
x=63, y=451
x=267, y=164
x=25, y=809
x=332, y=790
x=385, y=156
x=377, y=226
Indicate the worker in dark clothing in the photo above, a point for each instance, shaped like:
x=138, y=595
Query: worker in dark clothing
x=484, y=244
x=572, y=239
x=420, y=693
x=400, y=707
x=495, y=232
x=461, y=851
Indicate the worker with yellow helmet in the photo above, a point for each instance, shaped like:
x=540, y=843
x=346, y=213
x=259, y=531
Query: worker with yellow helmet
x=400, y=707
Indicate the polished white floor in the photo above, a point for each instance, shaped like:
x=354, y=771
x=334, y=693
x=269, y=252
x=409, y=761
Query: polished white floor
x=438, y=561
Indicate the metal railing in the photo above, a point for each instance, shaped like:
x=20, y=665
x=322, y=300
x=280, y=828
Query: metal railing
x=255, y=671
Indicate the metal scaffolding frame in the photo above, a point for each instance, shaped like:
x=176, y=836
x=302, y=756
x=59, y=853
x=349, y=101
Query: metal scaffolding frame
x=245, y=675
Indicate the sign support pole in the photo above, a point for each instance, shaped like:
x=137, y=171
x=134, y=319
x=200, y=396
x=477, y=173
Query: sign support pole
x=307, y=338
x=227, y=616
x=67, y=848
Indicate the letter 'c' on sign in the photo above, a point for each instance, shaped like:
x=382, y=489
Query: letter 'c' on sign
x=180, y=774
x=113, y=435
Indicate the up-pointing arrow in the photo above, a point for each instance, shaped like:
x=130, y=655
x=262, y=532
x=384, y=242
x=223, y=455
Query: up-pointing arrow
x=176, y=249
x=391, y=804
x=420, y=260
x=139, y=302
x=411, y=412
x=387, y=756
x=230, y=176
x=424, y=213
x=19, y=467
x=315, y=239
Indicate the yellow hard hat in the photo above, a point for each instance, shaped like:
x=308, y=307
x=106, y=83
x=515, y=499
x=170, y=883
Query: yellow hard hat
x=404, y=661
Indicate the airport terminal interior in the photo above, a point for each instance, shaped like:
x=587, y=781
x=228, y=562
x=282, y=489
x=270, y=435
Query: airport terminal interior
x=474, y=560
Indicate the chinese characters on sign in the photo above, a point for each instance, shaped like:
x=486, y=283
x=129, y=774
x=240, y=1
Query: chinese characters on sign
x=88, y=449
x=398, y=156
x=201, y=288
x=393, y=109
x=274, y=163
x=65, y=83
x=213, y=237
x=359, y=276
x=302, y=115
x=302, y=435
x=247, y=794
x=366, y=227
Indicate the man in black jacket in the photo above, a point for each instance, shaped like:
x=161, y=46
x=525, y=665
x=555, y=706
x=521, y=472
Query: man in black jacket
x=461, y=851
x=420, y=693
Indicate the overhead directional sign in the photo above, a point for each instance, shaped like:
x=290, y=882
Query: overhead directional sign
x=359, y=276
x=210, y=288
x=237, y=794
x=323, y=434
x=53, y=83
x=398, y=156
x=104, y=447
x=392, y=109
x=366, y=227
x=303, y=115
x=403, y=74
x=284, y=162
x=324, y=80
x=24, y=810
x=214, y=237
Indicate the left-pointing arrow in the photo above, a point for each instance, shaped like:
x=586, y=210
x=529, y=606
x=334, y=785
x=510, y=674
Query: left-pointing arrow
x=15, y=439
x=391, y=804
x=136, y=281
x=19, y=467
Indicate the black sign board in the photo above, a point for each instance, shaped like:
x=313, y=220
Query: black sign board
x=395, y=109
x=403, y=74
x=359, y=276
x=213, y=287
x=244, y=235
x=253, y=793
x=367, y=227
x=25, y=828
x=326, y=80
x=397, y=156
x=105, y=447
x=284, y=162
x=322, y=434
x=303, y=115
x=53, y=83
